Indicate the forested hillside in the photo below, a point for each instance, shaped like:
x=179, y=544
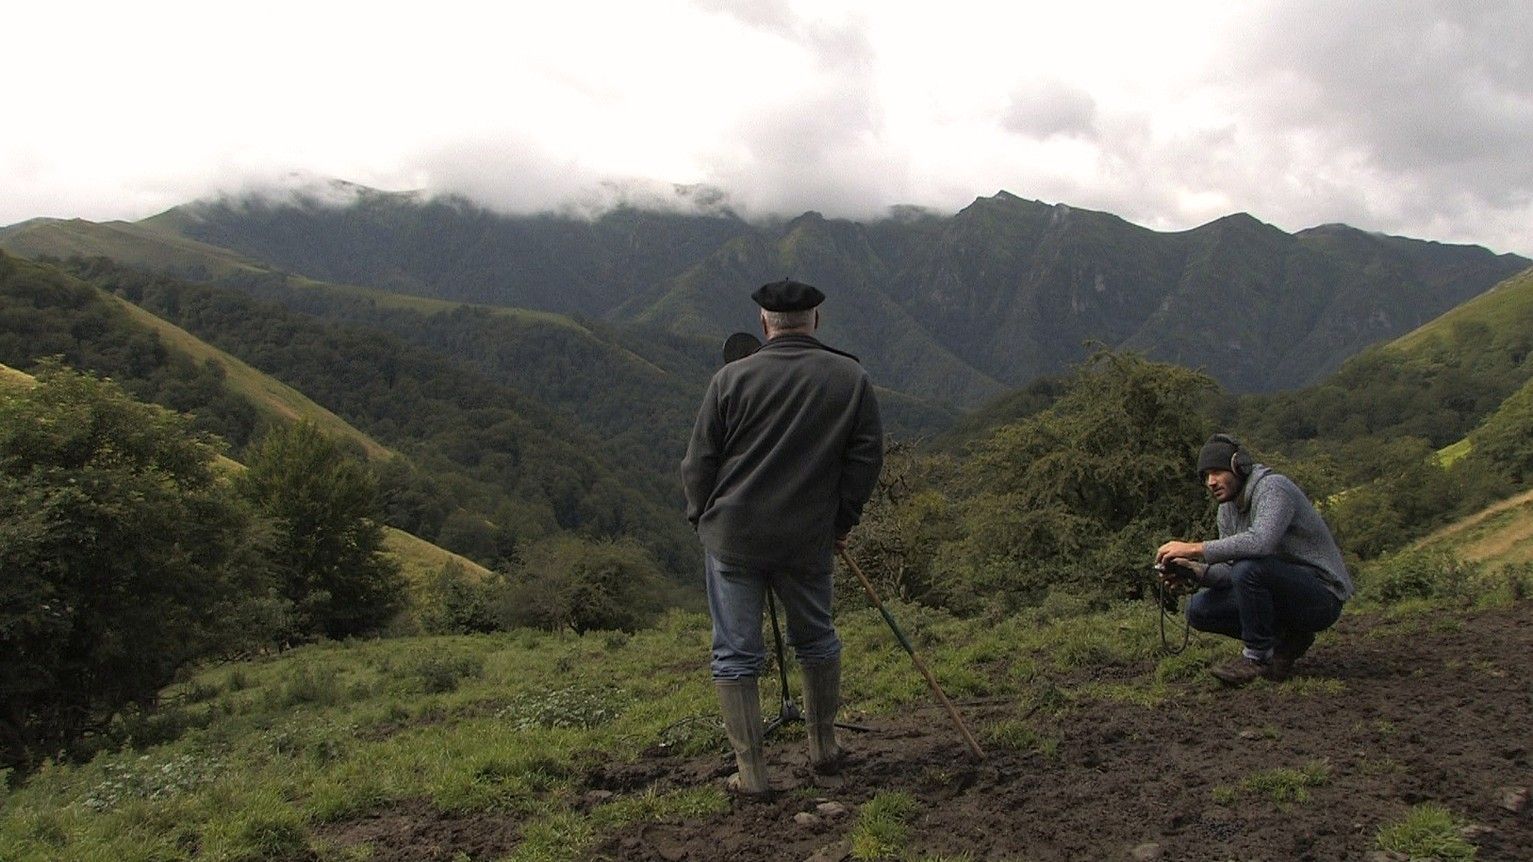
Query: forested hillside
x=486, y=466
x=956, y=307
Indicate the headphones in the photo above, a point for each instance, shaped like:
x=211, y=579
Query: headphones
x=1240, y=462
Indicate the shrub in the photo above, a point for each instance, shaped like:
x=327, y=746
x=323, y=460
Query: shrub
x=584, y=585
x=453, y=602
x=123, y=557
x=1419, y=575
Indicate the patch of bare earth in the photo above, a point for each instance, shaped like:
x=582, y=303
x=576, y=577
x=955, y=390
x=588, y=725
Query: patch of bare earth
x=415, y=832
x=1398, y=713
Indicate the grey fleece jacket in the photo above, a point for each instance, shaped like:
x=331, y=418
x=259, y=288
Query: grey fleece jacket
x=784, y=454
x=1271, y=517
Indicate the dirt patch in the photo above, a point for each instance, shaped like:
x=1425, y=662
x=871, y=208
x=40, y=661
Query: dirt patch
x=416, y=832
x=1388, y=714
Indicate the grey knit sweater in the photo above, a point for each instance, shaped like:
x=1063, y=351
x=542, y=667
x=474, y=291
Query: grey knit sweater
x=1271, y=517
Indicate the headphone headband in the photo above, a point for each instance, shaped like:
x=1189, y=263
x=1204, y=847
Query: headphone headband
x=1240, y=462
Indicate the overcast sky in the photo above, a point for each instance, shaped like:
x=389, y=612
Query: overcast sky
x=1412, y=118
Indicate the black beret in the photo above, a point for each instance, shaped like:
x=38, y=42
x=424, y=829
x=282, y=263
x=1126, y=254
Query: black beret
x=788, y=295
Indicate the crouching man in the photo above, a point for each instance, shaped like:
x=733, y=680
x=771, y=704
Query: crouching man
x=784, y=454
x=1273, y=578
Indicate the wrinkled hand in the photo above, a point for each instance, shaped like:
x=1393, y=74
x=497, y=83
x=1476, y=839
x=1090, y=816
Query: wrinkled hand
x=841, y=542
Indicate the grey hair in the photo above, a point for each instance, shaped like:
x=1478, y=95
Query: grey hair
x=779, y=321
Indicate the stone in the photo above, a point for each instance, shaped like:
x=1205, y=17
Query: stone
x=804, y=818
x=1514, y=799
x=1385, y=856
x=1148, y=852
x=830, y=809
x=837, y=852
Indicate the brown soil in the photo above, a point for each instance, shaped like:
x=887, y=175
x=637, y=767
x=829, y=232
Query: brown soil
x=1425, y=710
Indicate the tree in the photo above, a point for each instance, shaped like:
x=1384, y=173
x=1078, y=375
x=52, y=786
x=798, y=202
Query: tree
x=565, y=581
x=1080, y=494
x=327, y=541
x=123, y=556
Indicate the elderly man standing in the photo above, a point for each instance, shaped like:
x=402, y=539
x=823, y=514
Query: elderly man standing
x=784, y=454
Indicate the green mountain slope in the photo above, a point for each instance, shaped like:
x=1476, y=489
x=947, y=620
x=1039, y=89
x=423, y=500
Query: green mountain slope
x=1437, y=382
x=418, y=559
x=140, y=244
x=949, y=308
x=633, y=385
x=485, y=467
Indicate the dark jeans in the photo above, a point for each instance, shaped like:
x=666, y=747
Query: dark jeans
x=1265, y=597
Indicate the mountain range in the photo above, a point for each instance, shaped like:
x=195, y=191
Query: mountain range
x=951, y=309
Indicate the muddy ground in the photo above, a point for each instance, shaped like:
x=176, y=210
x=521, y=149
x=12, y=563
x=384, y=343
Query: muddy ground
x=1437, y=709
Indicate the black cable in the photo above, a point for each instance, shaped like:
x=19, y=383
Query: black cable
x=1167, y=605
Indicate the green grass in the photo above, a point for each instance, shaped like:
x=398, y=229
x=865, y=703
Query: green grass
x=1018, y=735
x=1427, y=831
x=252, y=759
x=1447, y=455
x=255, y=757
x=1286, y=786
x=883, y=826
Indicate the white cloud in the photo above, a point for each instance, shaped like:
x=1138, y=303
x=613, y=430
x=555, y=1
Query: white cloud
x=1412, y=118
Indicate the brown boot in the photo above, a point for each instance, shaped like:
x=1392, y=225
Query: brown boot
x=822, y=697
x=740, y=701
x=1290, y=646
x=1240, y=671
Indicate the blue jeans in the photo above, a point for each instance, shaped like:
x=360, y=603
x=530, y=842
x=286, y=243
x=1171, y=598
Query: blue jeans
x=736, y=595
x=1265, y=597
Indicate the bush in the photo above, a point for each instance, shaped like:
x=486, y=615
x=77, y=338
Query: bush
x=439, y=674
x=1417, y=575
x=1074, y=498
x=123, y=557
x=453, y=602
x=568, y=582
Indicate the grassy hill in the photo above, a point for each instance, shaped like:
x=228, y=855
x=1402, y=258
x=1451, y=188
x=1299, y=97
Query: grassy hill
x=137, y=243
x=529, y=746
x=274, y=397
x=417, y=558
x=1499, y=534
x=1506, y=307
x=1437, y=382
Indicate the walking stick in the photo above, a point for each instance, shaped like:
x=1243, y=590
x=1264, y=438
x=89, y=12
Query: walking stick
x=952, y=711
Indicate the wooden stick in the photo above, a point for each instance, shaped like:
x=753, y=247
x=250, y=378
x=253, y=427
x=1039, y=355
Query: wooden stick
x=952, y=711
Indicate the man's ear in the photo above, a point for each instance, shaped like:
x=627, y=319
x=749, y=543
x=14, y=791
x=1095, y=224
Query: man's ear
x=816, y=318
x=765, y=333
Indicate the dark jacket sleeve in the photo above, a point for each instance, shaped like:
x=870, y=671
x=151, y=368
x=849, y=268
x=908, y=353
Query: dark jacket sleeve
x=861, y=461
x=700, y=466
